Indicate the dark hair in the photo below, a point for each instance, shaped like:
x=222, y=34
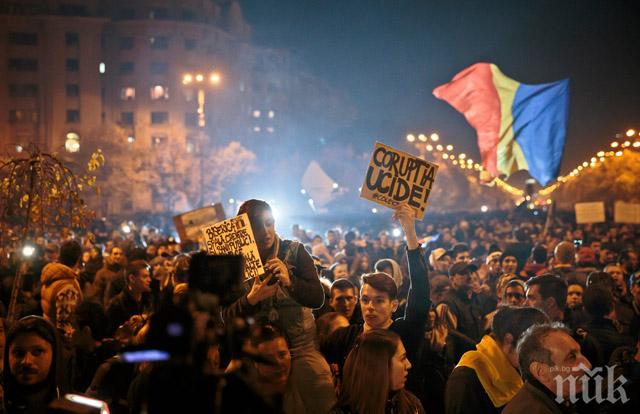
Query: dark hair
x=253, y=208
x=509, y=253
x=539, y=253
x=565, y=252
x=513, y=320
x=600, y=278
x=572, y=282
x=342, y=284
x=70, y=253
x=264, y=333
x=134, y=267
x=324, y=322
x=382, y=282
x=350, y=236
x=598, y=300
x=181, y=268
x=459, y=248
x=625, y=255
x=551, y=286
x=92, y=314
x=531, y=346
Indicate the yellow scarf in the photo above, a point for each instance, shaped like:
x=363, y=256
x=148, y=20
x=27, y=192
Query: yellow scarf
x=498, y=377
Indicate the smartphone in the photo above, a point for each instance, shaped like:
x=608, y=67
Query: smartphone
x=577, y=243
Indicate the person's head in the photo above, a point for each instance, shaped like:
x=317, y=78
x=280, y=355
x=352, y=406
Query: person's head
x=91, y=315
x=375, y=367
x=440, y=260
x=271, y=345
x=628, y=259
x=548, y=354
x=460, y=275
x=361, y=264
x=634, y=283
x=575, y=292
x=460, y=253
x=440, y=286
x=599, y=302
x=586, y=256
x=332, y=237
x=617, y=274
x=493, y=261
x=514, y=293
x=339, y=270
x=601, y=278
x=509, y=262
x=262, y=223
x=329, y=323
x=31, y=353
x=539, y=254
x=565, y=253
x=116, y=256
x=51, y=252
x=606, y=255
x=378, y=299
x=549, y=294
x=70, y=253
x=508, y=325
x=138, y=276
x=152, y=251
x=344, y=297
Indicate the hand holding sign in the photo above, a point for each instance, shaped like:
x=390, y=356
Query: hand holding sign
x=279, y=269
x=395, y=177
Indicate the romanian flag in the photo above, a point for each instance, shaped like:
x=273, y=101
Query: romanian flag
x=519, y=127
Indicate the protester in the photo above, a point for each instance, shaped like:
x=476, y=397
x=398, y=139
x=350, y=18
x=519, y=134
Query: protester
x=374, y=377
x=486, y=379
x=134, y=299
x=34, y=366
x=344, y=300
x=111, y=274
x=547, y=354
x=549, y=294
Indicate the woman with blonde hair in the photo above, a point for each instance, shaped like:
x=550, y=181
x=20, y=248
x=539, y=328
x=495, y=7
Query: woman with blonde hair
x=374, y=376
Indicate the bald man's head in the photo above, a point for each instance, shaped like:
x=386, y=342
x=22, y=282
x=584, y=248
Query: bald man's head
x=565, y=253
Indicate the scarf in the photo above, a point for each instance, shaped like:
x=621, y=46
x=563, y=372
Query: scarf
x=498, y=377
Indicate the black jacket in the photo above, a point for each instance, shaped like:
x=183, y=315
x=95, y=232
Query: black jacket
x=465, y=394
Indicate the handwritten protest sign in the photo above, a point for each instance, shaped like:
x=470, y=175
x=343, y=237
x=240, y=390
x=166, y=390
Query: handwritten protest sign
x=395, y=177
x=235, y=237
x=590, y=212
x=189, y=224
x=626, y=212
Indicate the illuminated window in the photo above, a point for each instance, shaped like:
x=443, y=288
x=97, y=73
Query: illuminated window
x=271, y=114
x=192, y=145
x=256, y=129
x=128, y=93
x=270, y=130
x=102, y=68
x=256, y=113
x=157, y=140
x=159, y=92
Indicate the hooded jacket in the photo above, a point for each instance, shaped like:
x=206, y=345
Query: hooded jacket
x=60, y=294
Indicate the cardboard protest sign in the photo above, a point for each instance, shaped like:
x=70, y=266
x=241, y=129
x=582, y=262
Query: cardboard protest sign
x=235, y=237
x=626, y=212
x=395, y=177
x=590, y=212
x=189, y=224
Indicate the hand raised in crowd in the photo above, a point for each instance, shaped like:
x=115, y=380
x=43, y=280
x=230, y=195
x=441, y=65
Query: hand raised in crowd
x=278, y=268
x=261, y=290
x=407, y=217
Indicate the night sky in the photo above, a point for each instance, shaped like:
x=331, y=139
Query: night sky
x=388, y=55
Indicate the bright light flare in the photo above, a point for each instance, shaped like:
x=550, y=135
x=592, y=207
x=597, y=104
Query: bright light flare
x=631, y=132
x=435, y=137
x=28, y=250
x=396, y=232
x=484, y=209
x=215, y=78
x=411, y=138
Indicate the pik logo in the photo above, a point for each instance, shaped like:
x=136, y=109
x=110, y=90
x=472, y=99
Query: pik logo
x=589, y=385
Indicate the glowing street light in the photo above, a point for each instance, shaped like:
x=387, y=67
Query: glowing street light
x=187, y=78
x=215, y=78
x=614, y=144
x=411, y=138
x=435, y=137
x=199, y=77
x=28, y=250
x=422, y=137
x=631, y=132
x=449, y=147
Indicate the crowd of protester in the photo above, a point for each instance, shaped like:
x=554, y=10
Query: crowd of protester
x=486, y=314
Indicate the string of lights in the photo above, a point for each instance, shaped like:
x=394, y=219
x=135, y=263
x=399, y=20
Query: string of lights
x=441, y=151
x=629, y=141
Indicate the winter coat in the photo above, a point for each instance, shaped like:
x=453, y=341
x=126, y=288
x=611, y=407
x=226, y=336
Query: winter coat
x=60, y=294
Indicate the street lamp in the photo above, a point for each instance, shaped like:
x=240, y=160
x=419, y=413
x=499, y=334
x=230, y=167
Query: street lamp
x=198, y=79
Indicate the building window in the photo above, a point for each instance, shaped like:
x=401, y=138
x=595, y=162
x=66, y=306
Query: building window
x=102, y=68
x=23, y=91
x=72, y=39
x=159, y=68
x=189, y=15
x=159, y=92
x=73, y=65
x=191, y=119
x=73, y=116
x=126, y=14
x=192, y=145
x=159, y=117
x=23, y=65
x=159, y=42
x=128, y=93
x=23, y=39
x=256, y=113
x=158, y=13
x=126, y=118
x=157, y=140
x=72, y=10
x=17, y=116
x=126, y=68
x=125, y=43
x=272, y=114
x=73, y=90
x=190, y=44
